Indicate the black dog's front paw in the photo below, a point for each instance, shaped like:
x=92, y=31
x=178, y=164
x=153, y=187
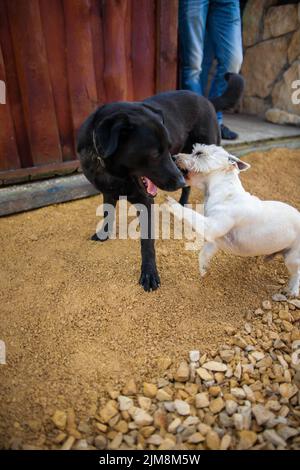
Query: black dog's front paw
x=149, y=279
x=184, y=198
x=100, y=236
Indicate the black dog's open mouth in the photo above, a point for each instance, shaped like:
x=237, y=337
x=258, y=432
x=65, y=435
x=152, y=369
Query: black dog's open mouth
x=184, y=172
x=147, y=185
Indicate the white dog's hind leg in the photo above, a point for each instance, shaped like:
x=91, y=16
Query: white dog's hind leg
x=292, y=262
x=205, y=255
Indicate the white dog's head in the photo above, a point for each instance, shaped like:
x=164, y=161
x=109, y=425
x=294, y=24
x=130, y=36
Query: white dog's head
x=206, y=159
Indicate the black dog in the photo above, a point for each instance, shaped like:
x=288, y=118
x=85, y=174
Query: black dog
x=125, y=149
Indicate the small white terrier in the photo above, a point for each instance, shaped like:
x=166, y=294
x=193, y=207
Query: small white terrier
x=234, y=220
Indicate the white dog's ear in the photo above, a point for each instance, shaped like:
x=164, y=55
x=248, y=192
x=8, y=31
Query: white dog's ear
x=242, y=166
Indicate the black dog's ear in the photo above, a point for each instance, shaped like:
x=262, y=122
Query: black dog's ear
x=108, y=132
x=156, y=111
x=160, y=115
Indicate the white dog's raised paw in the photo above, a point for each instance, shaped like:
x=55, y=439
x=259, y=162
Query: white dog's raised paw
x=171, y=201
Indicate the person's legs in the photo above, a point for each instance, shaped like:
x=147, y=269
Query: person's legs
x=192, y=23
x=224, y=26
x=208, y=58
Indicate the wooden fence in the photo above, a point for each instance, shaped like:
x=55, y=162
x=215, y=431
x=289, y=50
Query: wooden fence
x=60, y=59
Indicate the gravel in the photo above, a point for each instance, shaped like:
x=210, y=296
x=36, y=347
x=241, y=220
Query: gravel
x=82, y=322
x=244, y=395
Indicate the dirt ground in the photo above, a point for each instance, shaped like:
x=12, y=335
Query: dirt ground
x=75, y=320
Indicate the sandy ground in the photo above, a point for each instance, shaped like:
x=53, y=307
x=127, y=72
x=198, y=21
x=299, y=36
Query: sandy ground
x=75, y=320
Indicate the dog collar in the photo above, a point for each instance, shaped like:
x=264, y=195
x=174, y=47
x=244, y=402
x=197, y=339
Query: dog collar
x=99, y=158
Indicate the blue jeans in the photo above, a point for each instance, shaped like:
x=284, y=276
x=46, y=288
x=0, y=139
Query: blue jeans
x=208, y=30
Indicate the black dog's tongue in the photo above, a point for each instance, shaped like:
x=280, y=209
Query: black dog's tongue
x=151, y=188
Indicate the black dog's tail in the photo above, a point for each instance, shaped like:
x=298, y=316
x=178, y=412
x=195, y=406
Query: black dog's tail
x=232, y=94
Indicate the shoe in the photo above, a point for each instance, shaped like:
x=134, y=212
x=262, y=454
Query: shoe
x=227, y=134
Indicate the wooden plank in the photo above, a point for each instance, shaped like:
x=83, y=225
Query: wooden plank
x=43, y=193
x=109, y=58
x=33, y=75
x=13, y=90
x=98, y=48
x=8, y=146
x=143, y=48
x=115, y=70
x=10, y=176
x=167, y=24
x=81, y=73
x=54, y=32
x=128, y=49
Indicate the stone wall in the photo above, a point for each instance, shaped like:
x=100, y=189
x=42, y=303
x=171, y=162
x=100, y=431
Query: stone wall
x=271, y=38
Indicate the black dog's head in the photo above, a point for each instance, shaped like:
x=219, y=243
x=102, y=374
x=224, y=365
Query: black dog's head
x=133, y=142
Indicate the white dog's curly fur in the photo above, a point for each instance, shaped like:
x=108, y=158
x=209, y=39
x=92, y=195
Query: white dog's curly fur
x=234, y=220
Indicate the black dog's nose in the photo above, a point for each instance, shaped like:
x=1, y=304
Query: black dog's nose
x=174, y=158
x=180, y=182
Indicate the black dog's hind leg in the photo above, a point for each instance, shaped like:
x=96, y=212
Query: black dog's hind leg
x=149, y=275
x=184, y=195
x=109, y=216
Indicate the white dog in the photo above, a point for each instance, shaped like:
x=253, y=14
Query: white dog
x=234, y=220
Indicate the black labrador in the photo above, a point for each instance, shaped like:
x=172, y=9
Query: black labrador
x=125, y=150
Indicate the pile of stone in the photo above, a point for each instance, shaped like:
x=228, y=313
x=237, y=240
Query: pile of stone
x=271, y=39
x=244, y=395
